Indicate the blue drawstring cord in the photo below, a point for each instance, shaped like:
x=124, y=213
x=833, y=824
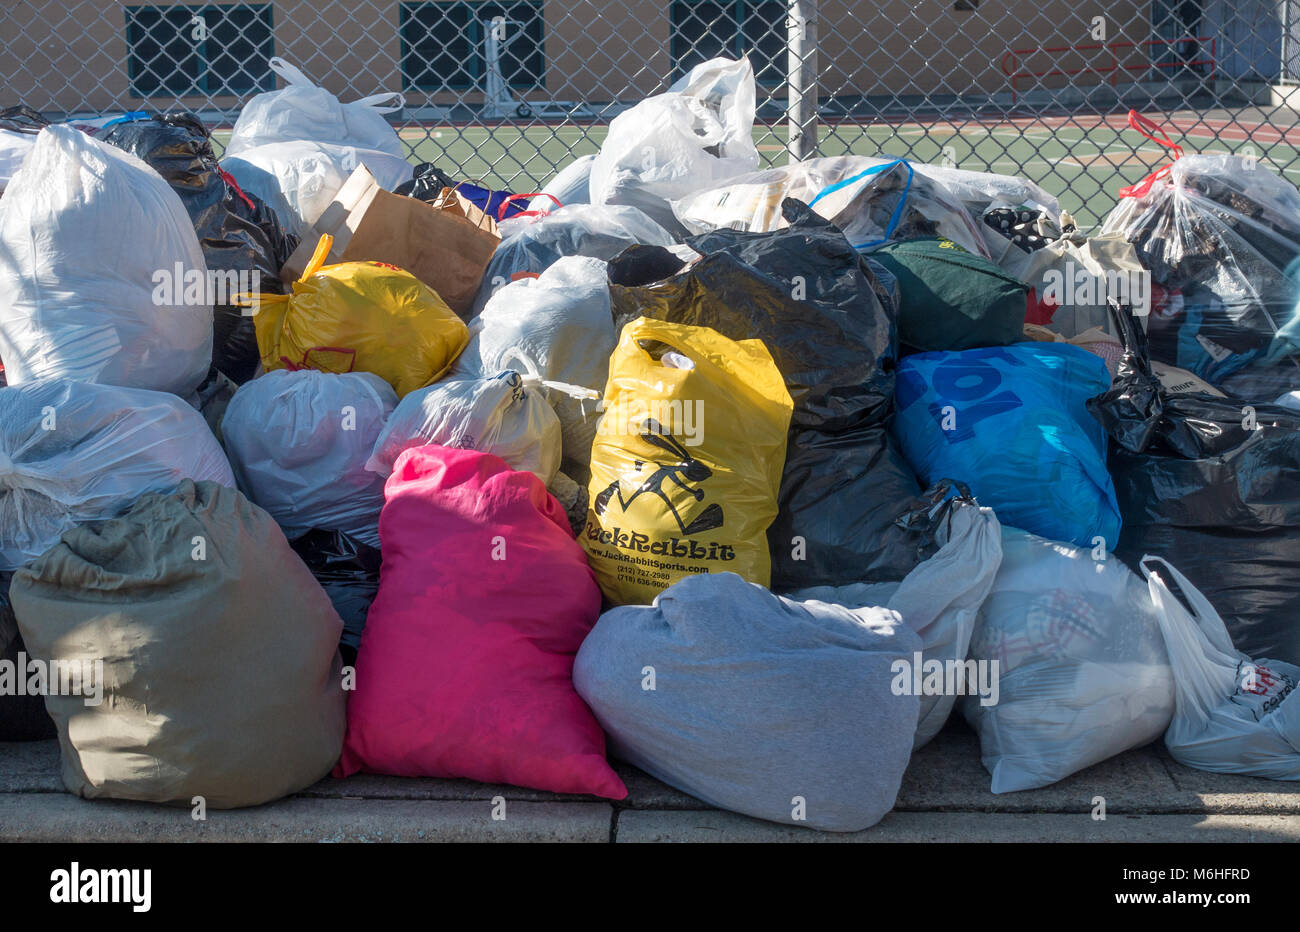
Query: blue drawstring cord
x=874, y=170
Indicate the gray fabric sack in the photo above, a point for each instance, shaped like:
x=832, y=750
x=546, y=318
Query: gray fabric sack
x=760, y=704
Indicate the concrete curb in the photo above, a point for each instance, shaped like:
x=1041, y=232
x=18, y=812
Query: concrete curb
x=929, y=827
x=65, y=818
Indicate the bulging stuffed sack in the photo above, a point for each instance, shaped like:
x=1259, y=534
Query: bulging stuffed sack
x=556, y=328
x=466, y=661
x=752, y=699
x=687, y=460
x=101, y=274
x=1012, y=423
x=360, y=316
x=76, y=452
x=298, y=444
x=212, y=652
x=1081, y=665
x=1233, y=714
x=501, y=415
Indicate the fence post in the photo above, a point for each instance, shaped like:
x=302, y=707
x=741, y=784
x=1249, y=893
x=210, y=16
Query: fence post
x=801, y=78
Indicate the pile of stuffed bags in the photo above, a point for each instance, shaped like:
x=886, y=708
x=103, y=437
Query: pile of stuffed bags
x=749, y=478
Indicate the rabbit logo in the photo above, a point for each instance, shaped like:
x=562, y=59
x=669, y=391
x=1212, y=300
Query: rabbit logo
x=681, y=469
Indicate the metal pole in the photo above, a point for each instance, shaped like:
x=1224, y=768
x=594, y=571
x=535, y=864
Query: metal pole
x=801, y=78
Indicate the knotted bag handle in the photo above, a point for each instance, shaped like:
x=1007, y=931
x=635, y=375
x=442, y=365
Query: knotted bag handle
x=1148, y=128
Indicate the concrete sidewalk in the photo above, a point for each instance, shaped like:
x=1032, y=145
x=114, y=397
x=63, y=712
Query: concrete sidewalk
x=945, y=797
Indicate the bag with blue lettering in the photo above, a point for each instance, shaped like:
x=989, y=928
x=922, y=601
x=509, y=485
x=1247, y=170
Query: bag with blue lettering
x=1011, y=423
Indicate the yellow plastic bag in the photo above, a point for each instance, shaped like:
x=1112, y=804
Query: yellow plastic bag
x=687, y=460
x=360, y=317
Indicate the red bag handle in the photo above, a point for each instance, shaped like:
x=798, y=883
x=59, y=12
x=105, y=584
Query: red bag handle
x=501, y=208
x=1148, y=128
x=294, y=367
x=234, y=186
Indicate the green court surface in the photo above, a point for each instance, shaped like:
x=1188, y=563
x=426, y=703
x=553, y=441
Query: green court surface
x=1083, y=160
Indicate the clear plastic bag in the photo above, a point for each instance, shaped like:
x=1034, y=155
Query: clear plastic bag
x=72, y=452
x=303, y=111
x=872, y=200
x=89, y=237
x=298, y=443
x=531, y=244
x=501, y=415
x=1217, y=237
x=693, y=136
x=987, y=195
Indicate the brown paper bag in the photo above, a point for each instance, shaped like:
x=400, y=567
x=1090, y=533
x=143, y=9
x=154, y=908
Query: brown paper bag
x=446, y=244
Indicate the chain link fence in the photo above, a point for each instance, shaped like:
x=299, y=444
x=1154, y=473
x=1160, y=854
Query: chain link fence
x=507, y=92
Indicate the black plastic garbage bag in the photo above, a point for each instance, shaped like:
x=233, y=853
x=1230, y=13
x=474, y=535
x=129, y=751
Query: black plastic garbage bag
x=642, y=265
x=816, y=305
x=22, y=716
x=1211, y=484
x=236, y=231
x=348, y=571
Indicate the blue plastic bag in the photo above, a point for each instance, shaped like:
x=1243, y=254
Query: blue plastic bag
x=1011, y=422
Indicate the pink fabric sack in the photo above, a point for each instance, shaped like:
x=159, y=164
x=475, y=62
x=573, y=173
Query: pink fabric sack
x=466, y=664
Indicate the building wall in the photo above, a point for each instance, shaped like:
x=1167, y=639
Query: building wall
x=76, y=59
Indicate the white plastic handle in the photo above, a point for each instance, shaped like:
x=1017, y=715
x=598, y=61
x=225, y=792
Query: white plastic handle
x=374, y=100
x=291, y=73
x=1203, y=613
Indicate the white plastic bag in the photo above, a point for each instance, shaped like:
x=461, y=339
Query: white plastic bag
x=500, y=415
x=75, y=451
x=14, y=147
x=304, y=111
x=88, y=238
x=298, y=443
x=871, y=200
x=1234, y=714
x=1082, y=669
x=939, y=600
x=693, y=136
x=556, y=328
x=572, y=185
x=305, y=176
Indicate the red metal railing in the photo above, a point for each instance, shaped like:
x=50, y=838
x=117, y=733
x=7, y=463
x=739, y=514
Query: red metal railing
x=1014, y=68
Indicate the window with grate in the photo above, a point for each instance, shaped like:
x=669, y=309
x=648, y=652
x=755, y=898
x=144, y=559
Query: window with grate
x=444, y=44
x=704, y=29
x=177, y=51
